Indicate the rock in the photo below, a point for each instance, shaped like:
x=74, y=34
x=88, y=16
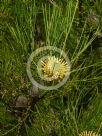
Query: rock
x=34, y=91
x=21, y=101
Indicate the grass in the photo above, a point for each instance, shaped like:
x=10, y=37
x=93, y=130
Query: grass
x=75, y=107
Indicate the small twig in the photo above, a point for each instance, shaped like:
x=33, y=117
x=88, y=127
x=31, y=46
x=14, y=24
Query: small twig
x=52, y=2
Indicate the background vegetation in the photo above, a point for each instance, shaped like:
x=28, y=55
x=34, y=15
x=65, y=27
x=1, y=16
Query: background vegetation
x=73, y=26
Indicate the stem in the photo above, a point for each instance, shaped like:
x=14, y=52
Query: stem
x=80, y=13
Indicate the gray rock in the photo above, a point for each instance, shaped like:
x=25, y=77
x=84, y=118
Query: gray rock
x=34, y=91
x=21, y=101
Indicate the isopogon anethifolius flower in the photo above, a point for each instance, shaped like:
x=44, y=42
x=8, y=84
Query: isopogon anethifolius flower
x=55, y=68
x=88, y=133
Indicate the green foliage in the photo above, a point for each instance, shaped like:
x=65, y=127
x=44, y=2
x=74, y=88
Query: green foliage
x=75, y=107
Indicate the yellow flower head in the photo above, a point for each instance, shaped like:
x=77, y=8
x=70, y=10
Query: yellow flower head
x=88, y=133
x=55, y=68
